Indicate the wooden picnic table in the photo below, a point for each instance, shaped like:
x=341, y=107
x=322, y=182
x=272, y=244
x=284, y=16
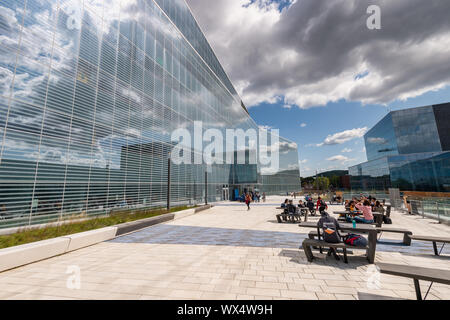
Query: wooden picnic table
x=363, y=228
x=378, y=217
x=341, y=212
x=347, y=212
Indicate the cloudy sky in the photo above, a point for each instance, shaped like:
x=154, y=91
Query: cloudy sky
x=314, y=70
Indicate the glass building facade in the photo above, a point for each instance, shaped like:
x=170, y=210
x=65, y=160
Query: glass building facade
x=408, y=149
x=90, y=92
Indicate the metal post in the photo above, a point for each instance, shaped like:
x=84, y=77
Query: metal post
x=168, y=182
x=438, y=214
x=206, y=187
x=417, y=287
x=423, y=210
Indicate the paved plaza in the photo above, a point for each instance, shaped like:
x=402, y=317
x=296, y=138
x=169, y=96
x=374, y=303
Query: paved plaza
x=228, y=252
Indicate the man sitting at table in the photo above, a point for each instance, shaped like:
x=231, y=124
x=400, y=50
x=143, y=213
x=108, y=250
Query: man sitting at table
x=291, y=208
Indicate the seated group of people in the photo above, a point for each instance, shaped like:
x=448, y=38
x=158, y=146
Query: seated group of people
x=289, y=206
x=363, y=206
x=309, y=204
x=337, y=199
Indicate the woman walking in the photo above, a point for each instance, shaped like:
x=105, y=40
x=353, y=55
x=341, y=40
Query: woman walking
x=248, y=199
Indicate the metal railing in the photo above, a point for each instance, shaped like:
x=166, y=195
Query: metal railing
x=433, y=209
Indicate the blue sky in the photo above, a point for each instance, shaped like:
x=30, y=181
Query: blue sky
x=328, y=120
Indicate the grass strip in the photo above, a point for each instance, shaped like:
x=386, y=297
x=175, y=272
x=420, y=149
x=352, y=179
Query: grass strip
x=118, y=217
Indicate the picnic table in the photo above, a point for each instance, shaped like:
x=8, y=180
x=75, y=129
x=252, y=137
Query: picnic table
x=360, y=228
x=416, y=273
x=302, y=211
x=378, y=217
x=432, y=239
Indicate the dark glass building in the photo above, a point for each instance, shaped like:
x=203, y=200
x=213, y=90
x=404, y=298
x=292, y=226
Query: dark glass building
x=408, y=149
x=90, y=92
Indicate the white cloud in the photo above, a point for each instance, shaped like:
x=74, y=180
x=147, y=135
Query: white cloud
x=298, y=56
x=303, y=125
x=346, y=150
x=340, y=158
x=376, y=140
x=265, y=127
x=344, y=136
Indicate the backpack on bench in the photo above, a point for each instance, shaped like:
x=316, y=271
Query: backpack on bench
x=355, y=240
x=329, y=232
x=387, y=220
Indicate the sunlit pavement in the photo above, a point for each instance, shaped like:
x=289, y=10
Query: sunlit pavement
x=227, y=253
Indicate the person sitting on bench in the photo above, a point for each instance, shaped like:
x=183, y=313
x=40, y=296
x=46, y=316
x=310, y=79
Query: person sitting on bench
x=284, y=204
x=378, y=207
x=291, y=208
x=366, y=211
x=310, y=206
x=330, y=231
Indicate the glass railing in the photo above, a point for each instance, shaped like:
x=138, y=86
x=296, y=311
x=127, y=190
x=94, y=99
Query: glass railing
x=433, y=208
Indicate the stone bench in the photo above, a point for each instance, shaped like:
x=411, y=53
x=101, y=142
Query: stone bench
x=285, y=217
x=406, y=233
x=308, y=243
x=435, y=240
x=416, y=273
x=314, y=234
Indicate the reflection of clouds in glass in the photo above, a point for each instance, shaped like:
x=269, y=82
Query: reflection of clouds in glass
x=268, y=171
x=25, y=120
x=377, y=140
x=6, y=77
x=16, y=148
x=283, y=147
x=133, y=133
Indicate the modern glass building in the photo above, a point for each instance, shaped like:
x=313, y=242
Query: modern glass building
x=408, y=149
x=90, y=92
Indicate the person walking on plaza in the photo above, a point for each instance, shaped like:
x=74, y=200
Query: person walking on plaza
x=264, y=197
x=248, y=199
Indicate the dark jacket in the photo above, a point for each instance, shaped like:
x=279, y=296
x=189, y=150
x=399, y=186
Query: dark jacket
x=326, y=221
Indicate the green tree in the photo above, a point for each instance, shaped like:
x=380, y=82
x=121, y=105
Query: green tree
x=335, y=181
x=322, y=183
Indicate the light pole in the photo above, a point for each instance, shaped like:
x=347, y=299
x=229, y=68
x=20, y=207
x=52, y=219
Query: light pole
x=206, y=187
x=168, y=182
